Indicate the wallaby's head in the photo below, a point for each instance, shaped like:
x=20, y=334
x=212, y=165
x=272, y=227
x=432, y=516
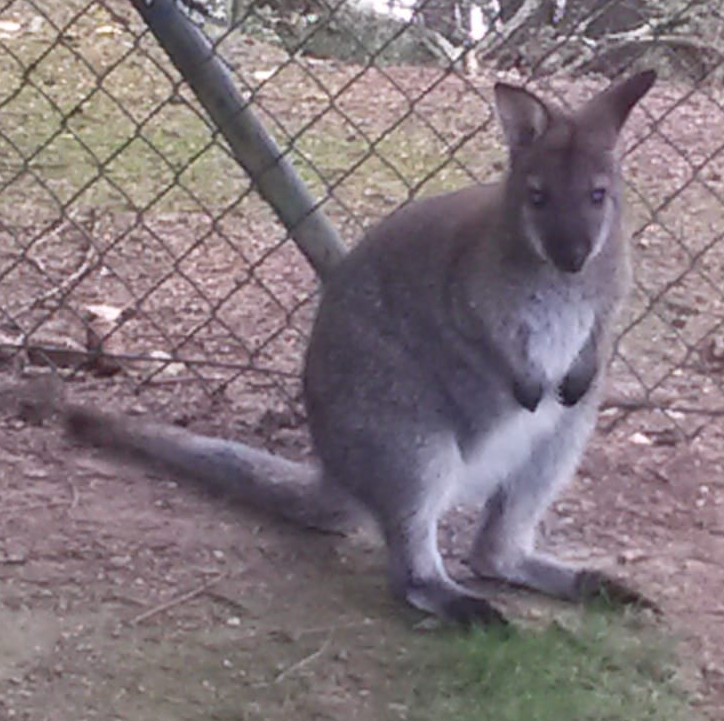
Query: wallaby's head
x=563, y=186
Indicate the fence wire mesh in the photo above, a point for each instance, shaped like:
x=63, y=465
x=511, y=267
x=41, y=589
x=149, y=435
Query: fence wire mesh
x=132, y=245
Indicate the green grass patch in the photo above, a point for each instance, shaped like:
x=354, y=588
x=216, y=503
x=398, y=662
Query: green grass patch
x=602, y=671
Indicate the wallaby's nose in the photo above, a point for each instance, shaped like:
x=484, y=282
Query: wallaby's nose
x=574, y=258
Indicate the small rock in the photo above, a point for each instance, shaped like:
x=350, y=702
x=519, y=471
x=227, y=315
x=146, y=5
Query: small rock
x=119, y=561
x=640, y=439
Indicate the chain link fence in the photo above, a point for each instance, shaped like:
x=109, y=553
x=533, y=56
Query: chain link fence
x=133, y=245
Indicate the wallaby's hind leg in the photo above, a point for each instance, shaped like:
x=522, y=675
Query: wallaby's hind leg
x=504, y=545
x=418, y=576
x=405, y=488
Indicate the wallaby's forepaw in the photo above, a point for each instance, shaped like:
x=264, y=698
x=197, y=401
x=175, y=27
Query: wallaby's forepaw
x=574, y=386
x=570, y=392
x=580, y=376
x=596, y=585
x=528, y=394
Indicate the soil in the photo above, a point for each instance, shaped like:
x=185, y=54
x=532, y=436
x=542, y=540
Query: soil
x=125, y=596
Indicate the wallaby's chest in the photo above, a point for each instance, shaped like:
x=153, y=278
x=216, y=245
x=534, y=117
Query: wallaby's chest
x=505, y=448
x=553, y=330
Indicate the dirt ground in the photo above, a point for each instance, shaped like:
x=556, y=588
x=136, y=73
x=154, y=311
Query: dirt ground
x=123, y=596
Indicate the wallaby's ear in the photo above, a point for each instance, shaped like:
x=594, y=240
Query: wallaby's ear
x=613, y=105
x=523, y=116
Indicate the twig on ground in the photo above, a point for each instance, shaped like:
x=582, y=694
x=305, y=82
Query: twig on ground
x=303, y=662
x=74, y=495
x=167, y=381
x=223, y=598
x=175, y=601
x=334, y=627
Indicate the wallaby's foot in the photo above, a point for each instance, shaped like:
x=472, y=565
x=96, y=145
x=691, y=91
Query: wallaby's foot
x=417, y=575
x=452, y=603
x=336, y=521
x=547, y=575
x=592, y=585
x=471, y=610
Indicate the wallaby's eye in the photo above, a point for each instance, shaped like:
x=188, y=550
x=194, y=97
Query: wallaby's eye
x=598, y=195
x=537, y=197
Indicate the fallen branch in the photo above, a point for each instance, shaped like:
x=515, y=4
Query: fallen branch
x=303, y=662
x=74, y=495
x=333, y=627
x=175, y=601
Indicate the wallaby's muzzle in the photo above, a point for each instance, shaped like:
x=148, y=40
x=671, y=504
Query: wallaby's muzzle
x=569, y=256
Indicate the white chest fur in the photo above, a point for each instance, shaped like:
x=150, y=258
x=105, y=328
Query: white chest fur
x=553, y=326
x=505, y=449
x=556, y=332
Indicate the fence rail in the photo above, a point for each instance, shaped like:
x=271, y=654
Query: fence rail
x=133, y=245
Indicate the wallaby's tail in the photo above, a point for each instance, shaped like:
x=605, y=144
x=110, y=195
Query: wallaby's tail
x=241, y=474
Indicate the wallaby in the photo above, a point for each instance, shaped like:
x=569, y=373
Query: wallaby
x=458, y=353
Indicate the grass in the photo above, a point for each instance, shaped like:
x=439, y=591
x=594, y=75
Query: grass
x=601, y=671
x=604, y=669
